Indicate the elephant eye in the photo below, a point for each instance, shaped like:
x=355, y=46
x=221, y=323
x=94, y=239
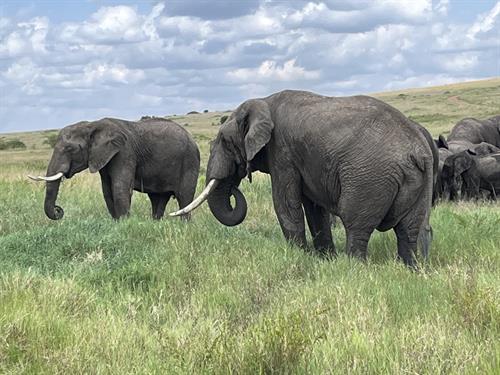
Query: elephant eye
x=226, y=143
x=70, y=148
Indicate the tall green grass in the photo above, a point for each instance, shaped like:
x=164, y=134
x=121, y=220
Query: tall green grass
x=90, y=295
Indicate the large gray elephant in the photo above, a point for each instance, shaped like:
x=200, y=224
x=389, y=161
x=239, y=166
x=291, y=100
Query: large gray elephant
x=355, y=157
x=470, y=131
x=154, y=156
x=470, y=176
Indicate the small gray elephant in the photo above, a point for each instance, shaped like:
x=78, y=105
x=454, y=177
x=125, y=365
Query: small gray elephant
x=470, y=131
x=355, y=157
x=468, y=176
x=154, y=156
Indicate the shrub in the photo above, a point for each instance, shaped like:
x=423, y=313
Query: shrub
x=223, y=119
x=11, y=144
x=50, y=139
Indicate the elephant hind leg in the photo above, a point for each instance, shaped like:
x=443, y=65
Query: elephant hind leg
x=357, y=241
x=407, y=244
x=158, y=203
x=407, y=234
x=318, y=220
x=411, y=230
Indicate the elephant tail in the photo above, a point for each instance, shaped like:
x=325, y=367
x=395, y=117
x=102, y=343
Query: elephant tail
x=425, y=234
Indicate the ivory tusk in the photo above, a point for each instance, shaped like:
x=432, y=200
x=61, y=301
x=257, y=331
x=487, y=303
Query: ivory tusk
x=198, y=201
x=55, y=177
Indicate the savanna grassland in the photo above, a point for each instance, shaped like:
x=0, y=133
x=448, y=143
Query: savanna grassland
x=90, y=295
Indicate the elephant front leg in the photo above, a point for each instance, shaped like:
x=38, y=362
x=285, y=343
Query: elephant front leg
x=121, y=185
x=287, y=201
x=318, y=220
x=107, y=192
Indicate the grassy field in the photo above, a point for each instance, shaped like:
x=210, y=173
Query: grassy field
x=90, y=295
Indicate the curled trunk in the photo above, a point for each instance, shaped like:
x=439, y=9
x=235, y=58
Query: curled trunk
x=219, y=202
x=53, y=211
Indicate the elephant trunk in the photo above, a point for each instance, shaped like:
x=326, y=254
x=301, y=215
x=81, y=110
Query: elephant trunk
x=219, y=202
x=53, y=211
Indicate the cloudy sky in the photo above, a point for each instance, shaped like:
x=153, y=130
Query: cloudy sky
x=65, y=61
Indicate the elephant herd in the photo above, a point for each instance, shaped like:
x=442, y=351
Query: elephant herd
x=354, y=157
x=469, y=160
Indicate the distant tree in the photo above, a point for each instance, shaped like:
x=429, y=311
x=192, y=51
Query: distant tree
x=205, y=111
x=223, y=119
x=11, y=144
x=50, y=139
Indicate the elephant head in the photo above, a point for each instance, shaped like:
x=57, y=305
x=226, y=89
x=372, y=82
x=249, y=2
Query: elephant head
x=456, y=175
x=235, y=153
x=78, y=147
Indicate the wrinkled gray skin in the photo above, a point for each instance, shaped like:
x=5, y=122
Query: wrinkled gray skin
x=470, y=131
x=154, y=156
x=469, y=176
x=355, y=157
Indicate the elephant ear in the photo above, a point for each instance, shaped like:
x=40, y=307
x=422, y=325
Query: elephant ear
x=462, y=163
x=255, y=118
x=441, y=142
x=105, y=143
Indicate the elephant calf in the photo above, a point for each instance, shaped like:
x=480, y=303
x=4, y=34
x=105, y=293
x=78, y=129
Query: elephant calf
x=154, y=156
x=467, y=175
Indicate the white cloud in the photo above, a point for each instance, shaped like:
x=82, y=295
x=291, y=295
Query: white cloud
x=115, y=24
x=270, y=70
x=486, y=23
x=27, y=37
x=441, y=7
x=463, y=62
x=25, y=74
x=97, y=74
x=356, y=18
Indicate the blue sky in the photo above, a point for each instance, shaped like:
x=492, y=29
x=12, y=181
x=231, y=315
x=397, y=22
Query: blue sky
x=66, y=61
